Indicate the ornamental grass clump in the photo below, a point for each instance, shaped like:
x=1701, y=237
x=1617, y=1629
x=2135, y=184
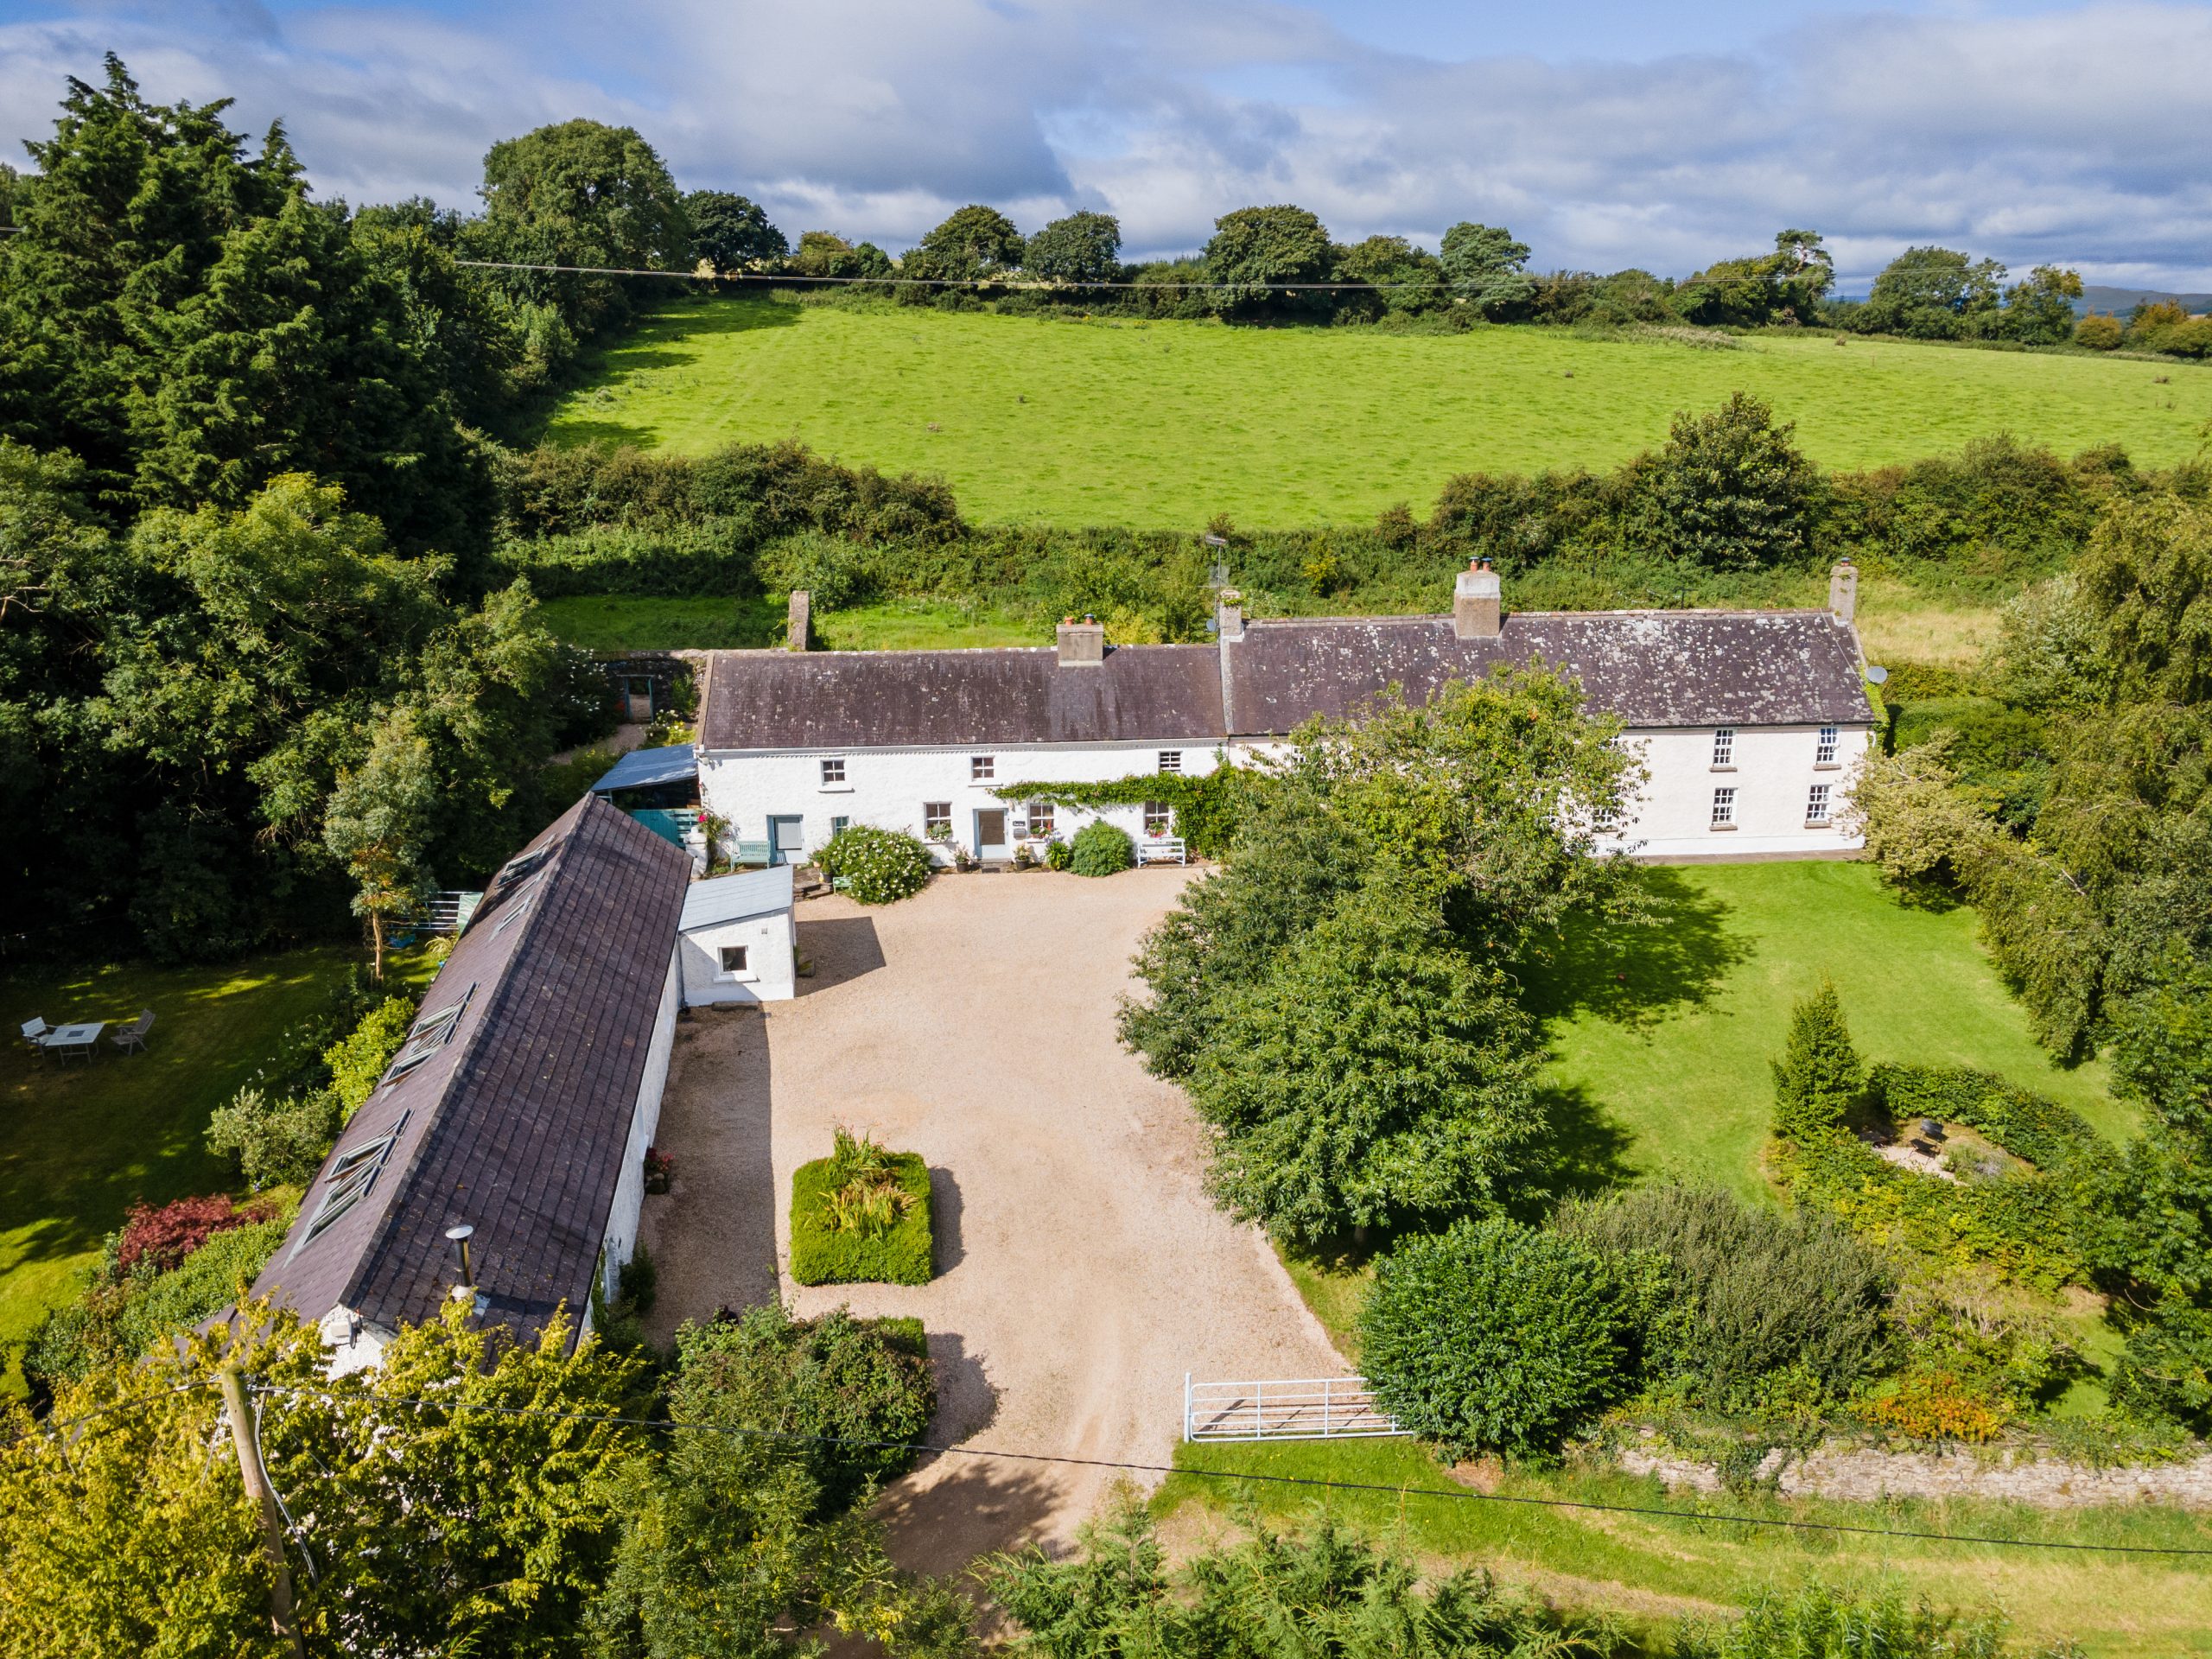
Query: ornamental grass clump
x=877, y=867
x=1101, y=848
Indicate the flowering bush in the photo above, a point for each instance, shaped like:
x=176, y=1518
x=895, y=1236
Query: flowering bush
x=1937, y=1406
x=660, y=1170
x=878, y=867
x=1101, y=848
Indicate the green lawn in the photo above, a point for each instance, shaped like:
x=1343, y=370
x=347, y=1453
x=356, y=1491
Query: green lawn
x=1653, y=1572
x=1167, y=423
x=629, y=622
x=1661, y=1036
x=86, y=1140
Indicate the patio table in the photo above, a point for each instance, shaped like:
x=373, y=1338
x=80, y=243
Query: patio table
x=65, y=1040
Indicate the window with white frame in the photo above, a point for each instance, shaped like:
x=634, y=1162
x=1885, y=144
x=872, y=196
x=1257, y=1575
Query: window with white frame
x=838, y=826
x=1724, y=746
x=1041, y=818
x=732, y=960
x=1171, y=760
x=1816, y=805
x=937, y=820
x=1824, y=750
x=1724, y=809
x=982, y=768
x=1159, y=818
x=833, y=772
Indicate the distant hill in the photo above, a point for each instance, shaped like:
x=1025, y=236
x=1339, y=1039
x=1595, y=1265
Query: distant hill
x=2121, y=300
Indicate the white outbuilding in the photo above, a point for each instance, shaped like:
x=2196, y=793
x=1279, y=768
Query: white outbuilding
x=736, y=940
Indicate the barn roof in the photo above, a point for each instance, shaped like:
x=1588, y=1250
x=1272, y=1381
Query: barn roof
x=515, y=1117
x=1649, y=668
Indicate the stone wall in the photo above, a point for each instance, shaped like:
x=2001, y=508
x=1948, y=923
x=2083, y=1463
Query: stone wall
x=1862, y=1473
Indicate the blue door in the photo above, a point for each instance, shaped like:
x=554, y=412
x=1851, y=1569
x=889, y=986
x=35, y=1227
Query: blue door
x=786, y=840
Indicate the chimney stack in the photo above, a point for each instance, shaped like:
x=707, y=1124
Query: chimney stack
x=798, y=621
x=1477, y=610
x=1082, y=644
x=1229, y=616
x=1843, y=592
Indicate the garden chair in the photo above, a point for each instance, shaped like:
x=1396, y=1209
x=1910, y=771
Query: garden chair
x=133, y=1036
x=34, y=1030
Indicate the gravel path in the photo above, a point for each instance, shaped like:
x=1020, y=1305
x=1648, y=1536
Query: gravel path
x=1081, y=1270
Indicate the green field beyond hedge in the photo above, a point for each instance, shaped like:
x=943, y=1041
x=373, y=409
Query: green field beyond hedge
x=1167, y=423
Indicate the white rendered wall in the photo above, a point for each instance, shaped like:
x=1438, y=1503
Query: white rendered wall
x=887, y=787
x=770, y=975
x=1772, y=770
x=621, y=1236
x=354, y=1345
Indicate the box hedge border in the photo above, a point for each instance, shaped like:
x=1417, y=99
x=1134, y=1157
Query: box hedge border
x=822, y=1256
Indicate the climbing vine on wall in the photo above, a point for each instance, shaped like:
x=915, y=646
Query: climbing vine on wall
x=1206, y=805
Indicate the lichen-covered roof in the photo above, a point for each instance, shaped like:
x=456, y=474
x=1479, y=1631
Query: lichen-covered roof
x=518, y=1124
x=921, y=699
x=1650, y=668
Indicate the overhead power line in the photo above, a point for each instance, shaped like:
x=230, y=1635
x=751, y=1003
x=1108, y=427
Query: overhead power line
x=949, y=282
x=1458, y=1495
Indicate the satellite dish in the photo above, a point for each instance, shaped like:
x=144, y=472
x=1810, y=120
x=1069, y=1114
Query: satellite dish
x=1876, y=675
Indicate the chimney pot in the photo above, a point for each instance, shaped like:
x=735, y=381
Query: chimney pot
x=1477, y=604
x=1082, y=644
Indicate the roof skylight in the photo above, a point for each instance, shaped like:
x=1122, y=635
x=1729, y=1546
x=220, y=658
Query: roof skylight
x=350, y=1177
x=429, y=1035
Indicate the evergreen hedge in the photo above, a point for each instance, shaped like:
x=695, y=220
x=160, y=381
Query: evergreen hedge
x=822, y=1255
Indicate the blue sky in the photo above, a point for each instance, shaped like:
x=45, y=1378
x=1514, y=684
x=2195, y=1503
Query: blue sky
x=1604, y=134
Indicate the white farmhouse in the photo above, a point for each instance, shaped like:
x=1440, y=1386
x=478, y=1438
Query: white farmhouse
x=1748, y=721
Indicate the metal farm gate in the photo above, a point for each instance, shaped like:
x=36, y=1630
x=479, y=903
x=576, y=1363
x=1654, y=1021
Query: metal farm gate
x=1320, y=1408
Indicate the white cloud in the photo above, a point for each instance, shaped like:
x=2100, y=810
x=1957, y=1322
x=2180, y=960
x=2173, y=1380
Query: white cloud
x=2073, y=136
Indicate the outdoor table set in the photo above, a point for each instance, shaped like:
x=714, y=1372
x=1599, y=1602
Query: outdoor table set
x=81, y=1039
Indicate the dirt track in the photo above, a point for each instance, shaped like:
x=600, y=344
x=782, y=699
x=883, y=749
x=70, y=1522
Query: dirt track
x=1081, y=1270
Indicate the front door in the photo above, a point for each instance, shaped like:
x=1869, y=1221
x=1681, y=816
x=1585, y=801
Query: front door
x=786, y=840
x=990, y=832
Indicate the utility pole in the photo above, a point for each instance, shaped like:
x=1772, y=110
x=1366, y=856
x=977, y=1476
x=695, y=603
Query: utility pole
x=239, y=1408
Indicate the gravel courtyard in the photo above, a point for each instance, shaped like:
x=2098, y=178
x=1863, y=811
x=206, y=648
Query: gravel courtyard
x=1081, y=1270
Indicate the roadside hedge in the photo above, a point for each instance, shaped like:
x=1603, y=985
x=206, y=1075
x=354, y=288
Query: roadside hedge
x=823, y=1255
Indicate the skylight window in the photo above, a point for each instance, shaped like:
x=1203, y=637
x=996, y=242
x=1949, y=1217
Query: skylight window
x=350, y=1177
x=429, y=1035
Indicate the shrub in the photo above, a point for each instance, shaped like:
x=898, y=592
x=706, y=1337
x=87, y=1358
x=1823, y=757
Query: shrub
x=2098, y=332
x=1747, y=1294
x=1818, y=1078
x=835, y=1377
x=1494, y=1337
x=1937, y=1406
x=1731, y=491
x=1059, y=855
x=1818, y=1623
x=878, y=867
x=841, y=1234
x=357, y=1062
x=275, y=1140
x=163, y=1237
x=1101, y=848
x=2165, y=1374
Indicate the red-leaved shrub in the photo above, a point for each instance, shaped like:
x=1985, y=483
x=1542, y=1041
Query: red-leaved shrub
x=165, y=1236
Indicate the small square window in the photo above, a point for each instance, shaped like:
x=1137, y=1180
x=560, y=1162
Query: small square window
x=733, y=958
x=1816, y=805
x=833, y=772
x=1724, y=808
x=937, y=820
x=1041, y=818
x=1724, y=746
x=1171, y=760
x=1159, y=818
x=1824, y=751
x=982, y=768
x=838, y=826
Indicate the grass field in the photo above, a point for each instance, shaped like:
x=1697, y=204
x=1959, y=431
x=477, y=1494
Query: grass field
x=86, y=1140
x=1653, y=1572
x=1167, y=423
x=631, y=622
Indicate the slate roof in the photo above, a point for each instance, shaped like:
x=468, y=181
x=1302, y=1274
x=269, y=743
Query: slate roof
x=518, y=1124
x=733, y=898
x=1651, y=668
x=922, y=699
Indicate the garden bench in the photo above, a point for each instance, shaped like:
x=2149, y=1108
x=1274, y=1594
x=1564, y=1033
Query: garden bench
x=1162, y=850
x=750, y=852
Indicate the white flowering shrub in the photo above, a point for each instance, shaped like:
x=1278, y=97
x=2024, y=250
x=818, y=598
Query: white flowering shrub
x=878, y=867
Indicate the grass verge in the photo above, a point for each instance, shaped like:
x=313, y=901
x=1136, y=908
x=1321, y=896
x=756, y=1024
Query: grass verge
x=1167, y=423
x=1655, y=1571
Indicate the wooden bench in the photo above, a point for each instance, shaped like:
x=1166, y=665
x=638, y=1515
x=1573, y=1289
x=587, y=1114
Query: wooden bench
x=1162, y=850
x=749, y=853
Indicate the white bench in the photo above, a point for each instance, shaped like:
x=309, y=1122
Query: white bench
x=1162, y=850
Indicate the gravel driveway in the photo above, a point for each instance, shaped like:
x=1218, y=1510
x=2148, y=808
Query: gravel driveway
x=1081, y=1270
